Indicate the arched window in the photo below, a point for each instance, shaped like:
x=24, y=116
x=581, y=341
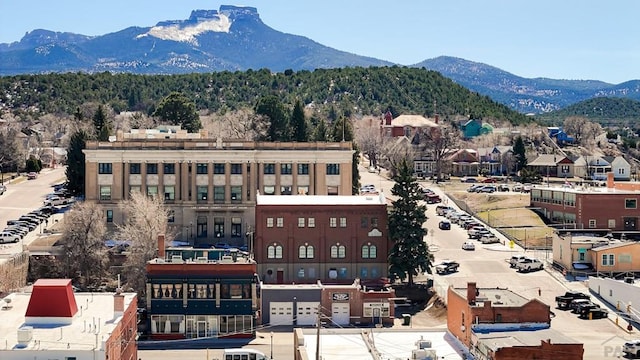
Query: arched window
x=305, y=251
x=338, y=251
x=310, y=252
x=369, y=251
x=274, y=251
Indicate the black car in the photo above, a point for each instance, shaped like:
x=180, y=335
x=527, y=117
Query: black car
x=447, y=266
x=594, y=313
x=444, y=225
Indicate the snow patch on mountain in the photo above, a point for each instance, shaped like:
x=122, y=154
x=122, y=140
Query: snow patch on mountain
x=188, y=33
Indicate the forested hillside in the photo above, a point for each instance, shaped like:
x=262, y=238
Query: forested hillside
x=348, y=91
x=607, y=111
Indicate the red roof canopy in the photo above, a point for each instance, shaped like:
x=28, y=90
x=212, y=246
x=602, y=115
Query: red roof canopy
x=52, y=298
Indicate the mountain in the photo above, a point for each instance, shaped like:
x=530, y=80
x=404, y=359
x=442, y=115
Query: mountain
x=539, y=95
x=232, y=38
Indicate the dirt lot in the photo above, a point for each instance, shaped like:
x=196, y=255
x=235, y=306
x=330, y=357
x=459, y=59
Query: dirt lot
x=506, y=211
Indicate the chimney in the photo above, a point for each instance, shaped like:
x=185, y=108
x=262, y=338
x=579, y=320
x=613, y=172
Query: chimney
x=610, y=183
x=437, y=118
x=471, y=292
x=161, y=246
x=118, y=303
x=387, y=118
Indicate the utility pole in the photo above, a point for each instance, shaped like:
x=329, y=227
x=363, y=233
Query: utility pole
x=318, y=325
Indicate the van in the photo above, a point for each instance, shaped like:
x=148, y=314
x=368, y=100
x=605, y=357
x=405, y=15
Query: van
x=243, y=354
x=6, y=237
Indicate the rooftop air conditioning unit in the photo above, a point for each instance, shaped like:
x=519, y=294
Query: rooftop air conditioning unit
x=25, y=334
x=202, y=259
x=176, y=259
x=226, y=259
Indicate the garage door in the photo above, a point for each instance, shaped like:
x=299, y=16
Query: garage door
x=340, y=313
x=281, y=313
x=307, y=313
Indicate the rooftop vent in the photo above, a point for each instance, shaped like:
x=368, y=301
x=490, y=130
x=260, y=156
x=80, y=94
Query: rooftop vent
x=25, y=334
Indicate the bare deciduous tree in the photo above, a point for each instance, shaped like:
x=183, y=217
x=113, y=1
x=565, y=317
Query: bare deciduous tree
x=581, y=129
x=241, y=124
x=369, y=138
x=394, y=152
x=146, y=218
x=84, y=252
x=436, y=143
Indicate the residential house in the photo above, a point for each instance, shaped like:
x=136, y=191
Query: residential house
x=571, y=251
x=620, y=167
x=592, y=167
x=334, y=239
x=407, y=125
x=561, y=137
x=464, y=162
x=617, y=258
x=496, y=160
x=552, y=165
x=474, y=127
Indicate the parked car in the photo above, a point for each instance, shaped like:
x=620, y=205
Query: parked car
x=489, y=180
x=7, y=237
x=447, y=266
x=473, y=188
x=584, y=309
x=32, y=175
x=563, y=301
x=444, y=225
x=56, y=200
x=432, y=199
x=575, y=304
x=478, y=233
x=529, y=264
x=516, y=259
x=517, y=188
x=503, y=187
x=595, y=313
x=442, y=209
x=488, y=189
x=468, y=245
x=2, y=189
x=468, y=180
x=489, y=239
x=632, y=348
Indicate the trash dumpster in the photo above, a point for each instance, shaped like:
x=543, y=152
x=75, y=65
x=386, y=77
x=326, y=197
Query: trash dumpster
x=407, y=319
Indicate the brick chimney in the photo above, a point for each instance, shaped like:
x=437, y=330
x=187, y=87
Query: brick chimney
x=387, y=118
x=471, y=292
x=610, y=183
x=437, y=118
x=118, y=303
x=161, y=246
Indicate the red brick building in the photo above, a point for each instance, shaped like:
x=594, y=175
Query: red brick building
x=472, y=307
x=334, y=239
x=544, y=344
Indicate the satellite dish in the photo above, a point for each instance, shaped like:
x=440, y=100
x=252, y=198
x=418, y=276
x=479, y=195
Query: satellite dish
x=7, y=300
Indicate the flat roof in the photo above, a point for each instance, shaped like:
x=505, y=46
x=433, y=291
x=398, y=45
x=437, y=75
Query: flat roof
x=499, y=339
x=350, y=344
x=596, y=190
x=95, y=319
x=291, y=200
x=497, y=296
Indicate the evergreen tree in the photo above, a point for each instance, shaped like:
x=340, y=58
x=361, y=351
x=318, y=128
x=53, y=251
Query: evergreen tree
x=409, y=255
x=299, y=123
x=279, y=129
x=75, y=163
x=33, y=165
x=179, y=110
x=320, y=132
x=99, y=122
x=519, y=152
x=342, y=130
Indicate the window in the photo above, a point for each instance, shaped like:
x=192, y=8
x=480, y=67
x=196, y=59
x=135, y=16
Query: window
x=269, y=222
x=305, y=251
x=303, y=190
x=301, y=273
x=338, y=251
x=269, y=190
x=333, y=169
x=134, y=168
x=236, y=227
x=171, y=216
x=236, y=194
x=104, y=168
x=169, y=169
x=332, y=222
x=169, y=192
x=286, y=169
x=592, y=223
x=630, y=203
x=369, y=251
x=134, y=188
x=364, y=222
x=218, y=227
x=374, y=222
x=218, y=194
x=611, y=223
x=332, y=190
x=109, y=216
x=608, y=259
x=152, y=168
x=285, y=190
x=311, y=222
x=581, y=256
x=218, y=168
x=301, y=222
x=152, y=190
x=564, y=169
x=236, y=169
x=343, y=222
x=269, y=169
x=280, y=222
x=274, y=251
x=202, y=193
x=303, y=169
x=201, y=168
x=105, y=192
x=621, y=171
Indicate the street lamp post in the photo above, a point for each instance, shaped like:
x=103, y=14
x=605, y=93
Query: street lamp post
x=271, y=346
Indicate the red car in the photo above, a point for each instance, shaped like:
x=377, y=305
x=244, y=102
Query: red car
x=489, y=180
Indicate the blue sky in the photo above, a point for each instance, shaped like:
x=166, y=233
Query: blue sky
x=559, y=39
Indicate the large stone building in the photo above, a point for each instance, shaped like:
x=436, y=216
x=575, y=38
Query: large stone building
x=334, y=239
x=210, y=185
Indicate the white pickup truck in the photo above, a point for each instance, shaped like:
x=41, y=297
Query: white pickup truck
x=528, y=264
x=57, y=201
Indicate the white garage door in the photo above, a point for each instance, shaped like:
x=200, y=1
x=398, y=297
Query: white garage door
x=307, y=313
x=340, y=313
x=281, y=313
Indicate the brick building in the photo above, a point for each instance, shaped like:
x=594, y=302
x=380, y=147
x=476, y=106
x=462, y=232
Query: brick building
x=209, y=185
x=471, y=307
x=334, y=239
x=543, y=344
x=195, y=293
